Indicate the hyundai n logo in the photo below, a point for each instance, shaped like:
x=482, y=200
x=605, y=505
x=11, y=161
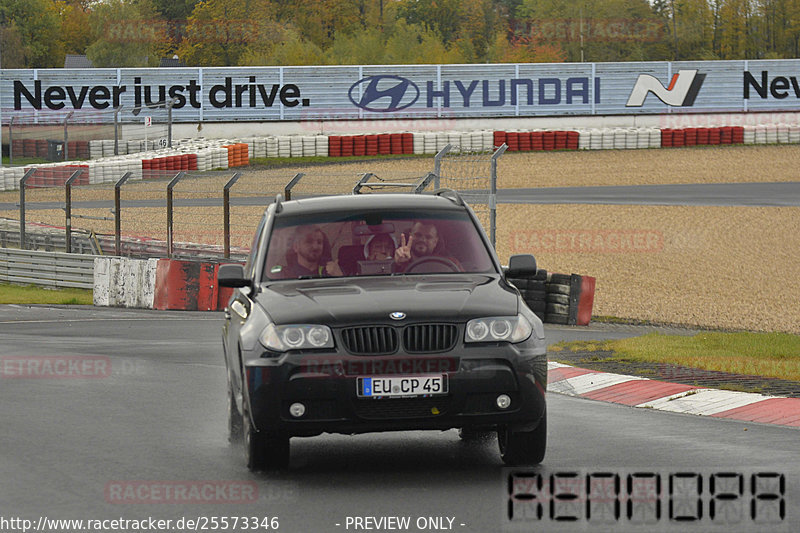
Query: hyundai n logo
x=681, y=91
x=384, y=94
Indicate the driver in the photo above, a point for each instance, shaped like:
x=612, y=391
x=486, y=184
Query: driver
x=422, y=242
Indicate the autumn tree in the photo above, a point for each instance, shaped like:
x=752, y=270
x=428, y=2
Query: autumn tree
x=75, y=35
x=220, y=32
x=125, y=33
x=30, y=34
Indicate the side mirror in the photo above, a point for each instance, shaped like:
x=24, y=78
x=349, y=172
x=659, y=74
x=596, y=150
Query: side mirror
x=232, y=276
x=520, y=266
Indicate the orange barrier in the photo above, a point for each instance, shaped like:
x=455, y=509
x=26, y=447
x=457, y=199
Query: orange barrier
x=185, y=285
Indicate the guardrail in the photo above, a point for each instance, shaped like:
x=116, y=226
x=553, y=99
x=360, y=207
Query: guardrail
x=51, y=269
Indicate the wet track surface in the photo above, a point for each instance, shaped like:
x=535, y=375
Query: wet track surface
x=154, y=412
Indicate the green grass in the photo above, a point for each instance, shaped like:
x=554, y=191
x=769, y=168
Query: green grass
x=31, y=294
x=774, y=355
x=22, y=161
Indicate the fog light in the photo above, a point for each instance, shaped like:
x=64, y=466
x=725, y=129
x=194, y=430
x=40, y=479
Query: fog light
x=298, y=409
x=503, y=401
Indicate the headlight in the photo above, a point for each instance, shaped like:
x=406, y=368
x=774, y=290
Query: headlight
x=498, y=328
x=296, y=337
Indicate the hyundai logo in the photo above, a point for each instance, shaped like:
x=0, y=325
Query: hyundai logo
x=397, y=315
x=384, y=94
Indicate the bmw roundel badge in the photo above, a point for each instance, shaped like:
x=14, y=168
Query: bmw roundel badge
x=398, y=315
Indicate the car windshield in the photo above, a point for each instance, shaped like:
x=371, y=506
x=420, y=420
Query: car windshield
x=376, y=243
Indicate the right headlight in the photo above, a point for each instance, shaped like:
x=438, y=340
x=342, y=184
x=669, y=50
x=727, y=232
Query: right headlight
x=498, y=328
x=296, y=337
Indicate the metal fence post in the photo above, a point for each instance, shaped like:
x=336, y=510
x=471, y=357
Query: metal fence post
x=226, y=212
x=11, y=142
x=22, y=184
x=116, y=130
x=437, y=165
x=170, y=186
x=493, y=194
x=68, y=209
x=287, y=191
x=170, y=103
x=117, y=209
x=65, y=151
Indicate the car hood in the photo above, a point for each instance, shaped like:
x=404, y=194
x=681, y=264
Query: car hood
x=349, y=301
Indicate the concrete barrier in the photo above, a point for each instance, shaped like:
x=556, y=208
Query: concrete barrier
x=124, y=282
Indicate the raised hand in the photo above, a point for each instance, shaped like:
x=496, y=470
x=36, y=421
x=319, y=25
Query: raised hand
x=403, y=253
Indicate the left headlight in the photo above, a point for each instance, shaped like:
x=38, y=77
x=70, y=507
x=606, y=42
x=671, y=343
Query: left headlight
x=296, y=337
x=498, y=328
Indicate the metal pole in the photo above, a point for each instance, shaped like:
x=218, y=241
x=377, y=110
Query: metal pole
x=117, y=209
x=116, y=131
x=437, y=164
x=287, y=191
x=68, y=209
x=65, y=152
x=493, y=194
x=170, y=103
x=11, y=142
x=170, y=186
x=226, y=212
x=22, y=184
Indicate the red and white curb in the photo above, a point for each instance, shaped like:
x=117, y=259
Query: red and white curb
x=675, y=397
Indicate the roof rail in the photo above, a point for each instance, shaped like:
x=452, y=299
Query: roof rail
x=278, y=203
x=416, y=187
x=451, y=195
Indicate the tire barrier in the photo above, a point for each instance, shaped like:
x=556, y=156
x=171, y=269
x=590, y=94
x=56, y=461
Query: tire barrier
x=164, y=284
x=558, y=298
x=143, y=161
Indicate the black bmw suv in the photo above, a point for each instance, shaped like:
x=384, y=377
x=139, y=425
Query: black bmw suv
x=380, y=312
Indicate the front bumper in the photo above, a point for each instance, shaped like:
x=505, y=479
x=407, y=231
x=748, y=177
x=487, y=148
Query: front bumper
x=325, y=383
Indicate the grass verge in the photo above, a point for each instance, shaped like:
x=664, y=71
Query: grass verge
x=775, y=355
x=32, y=294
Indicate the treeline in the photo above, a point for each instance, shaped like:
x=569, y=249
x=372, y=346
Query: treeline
x=134, y=33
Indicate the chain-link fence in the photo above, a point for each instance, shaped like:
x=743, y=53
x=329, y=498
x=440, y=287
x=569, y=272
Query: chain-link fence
x=39, y=136
x=474, y=175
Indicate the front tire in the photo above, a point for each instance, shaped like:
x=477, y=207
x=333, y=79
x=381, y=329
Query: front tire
x=235, y=426
x=263, y=451
x=523, y=447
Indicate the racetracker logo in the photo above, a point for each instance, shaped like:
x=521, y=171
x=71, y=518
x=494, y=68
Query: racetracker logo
x=384, y=94
x=681, y=92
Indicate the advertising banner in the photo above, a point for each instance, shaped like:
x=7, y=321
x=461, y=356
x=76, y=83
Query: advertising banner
x=410, y=91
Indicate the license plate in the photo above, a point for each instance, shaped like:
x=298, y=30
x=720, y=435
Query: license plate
x=401, y=386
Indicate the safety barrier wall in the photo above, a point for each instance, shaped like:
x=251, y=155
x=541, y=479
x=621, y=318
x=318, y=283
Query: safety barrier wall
x=165, y=284
x=49, y=269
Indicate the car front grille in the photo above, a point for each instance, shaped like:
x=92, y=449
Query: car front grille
x=370, y=340
x=426, y=338
x=402, y=408
x=384, y=340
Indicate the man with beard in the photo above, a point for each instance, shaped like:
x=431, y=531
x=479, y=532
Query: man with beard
x=310, y=256
x=422, y=242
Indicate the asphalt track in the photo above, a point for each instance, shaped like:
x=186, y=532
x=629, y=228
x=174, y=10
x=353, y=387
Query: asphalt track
x=156, y=417
x=784, y=194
